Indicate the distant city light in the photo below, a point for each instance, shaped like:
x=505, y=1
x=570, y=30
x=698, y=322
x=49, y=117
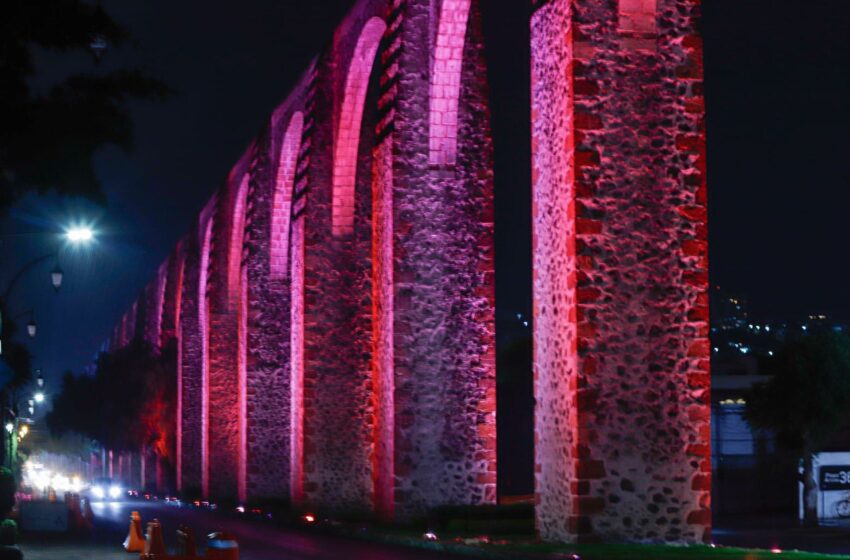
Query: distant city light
x=805, y=327
x=39, y=397
x=770, y=352
x=79, y=234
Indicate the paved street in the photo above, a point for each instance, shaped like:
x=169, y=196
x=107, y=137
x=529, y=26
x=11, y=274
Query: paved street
x=257, y=540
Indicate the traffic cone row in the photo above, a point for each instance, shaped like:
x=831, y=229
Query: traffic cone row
x=154, y=543
x=135, y=541
x=220, y=546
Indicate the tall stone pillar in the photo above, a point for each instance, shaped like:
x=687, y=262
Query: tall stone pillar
x=440, y=293
x=621, y=351
x=192, y=372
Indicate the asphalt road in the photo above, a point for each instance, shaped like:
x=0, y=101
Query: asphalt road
x=257, y=540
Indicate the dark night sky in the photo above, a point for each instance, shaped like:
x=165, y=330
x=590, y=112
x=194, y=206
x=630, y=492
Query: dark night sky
x=778, y=87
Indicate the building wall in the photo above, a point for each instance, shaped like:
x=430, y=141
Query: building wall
x=621, y=305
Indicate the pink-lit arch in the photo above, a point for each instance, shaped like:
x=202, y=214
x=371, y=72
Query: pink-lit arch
x=237, y=239
x=282, y=203
x=242, y=328
x=238, y=288
x=178, y=330
x=203, y=321
x=350, y=119
x=154, y=335
x=296, y=432
x=445, y=81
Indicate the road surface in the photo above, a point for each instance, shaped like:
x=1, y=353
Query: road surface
x=257, y=540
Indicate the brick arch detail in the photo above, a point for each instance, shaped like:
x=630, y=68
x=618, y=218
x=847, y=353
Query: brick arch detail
x=238, y=292
x=282, y=203
x=350, y=119
x=445, y=82
x=237, y=238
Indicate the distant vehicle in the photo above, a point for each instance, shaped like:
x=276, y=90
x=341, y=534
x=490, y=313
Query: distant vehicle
x=105, y=489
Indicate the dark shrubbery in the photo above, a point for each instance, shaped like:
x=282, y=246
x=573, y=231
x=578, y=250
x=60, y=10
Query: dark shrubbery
x=7, y=492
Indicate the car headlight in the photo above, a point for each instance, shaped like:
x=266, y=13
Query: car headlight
x=97, y=491
x=114, y=491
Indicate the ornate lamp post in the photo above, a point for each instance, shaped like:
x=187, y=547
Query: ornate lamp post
x=74, y=235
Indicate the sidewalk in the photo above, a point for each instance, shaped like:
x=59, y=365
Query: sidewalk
x=783, y=532
x=72, y=551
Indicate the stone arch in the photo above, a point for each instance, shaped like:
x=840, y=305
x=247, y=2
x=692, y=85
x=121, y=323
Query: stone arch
x=203, y=322
x=238, y=289
x=348, y=131
x=237, y=239
x=282, y=203
x=445, y=82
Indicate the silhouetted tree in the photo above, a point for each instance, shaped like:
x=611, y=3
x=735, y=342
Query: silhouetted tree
x=47, y=140
x=806, y=401
x=129, y=402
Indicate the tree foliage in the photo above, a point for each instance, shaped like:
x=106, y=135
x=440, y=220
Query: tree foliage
x=129, y=402
x=806, y=402
x=807, y=399
x=48, y=140
x=16, y=355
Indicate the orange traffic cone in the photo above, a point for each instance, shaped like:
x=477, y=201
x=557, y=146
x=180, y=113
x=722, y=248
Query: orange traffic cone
x=186, y=542
x=135, y=541
x=154, y=544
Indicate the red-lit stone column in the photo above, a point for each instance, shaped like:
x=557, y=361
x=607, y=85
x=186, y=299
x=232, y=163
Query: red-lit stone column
x=265, y=331
x=227, y=383
x=443, y=298
x=338, y=419
x=620, y=278
x=192, y=360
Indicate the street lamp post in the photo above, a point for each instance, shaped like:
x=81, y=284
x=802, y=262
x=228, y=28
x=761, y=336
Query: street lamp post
x=74, y=235
x=56, y=280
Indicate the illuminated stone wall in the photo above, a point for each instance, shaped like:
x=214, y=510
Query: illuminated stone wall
x=621, y=333
x=333, y=305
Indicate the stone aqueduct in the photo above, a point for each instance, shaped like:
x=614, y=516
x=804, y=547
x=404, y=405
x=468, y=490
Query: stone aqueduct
x=333, y=304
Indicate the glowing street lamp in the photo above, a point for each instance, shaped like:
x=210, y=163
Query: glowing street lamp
x=10, y=427
x=79, y=234
x=39, y=397
x=31, y=328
